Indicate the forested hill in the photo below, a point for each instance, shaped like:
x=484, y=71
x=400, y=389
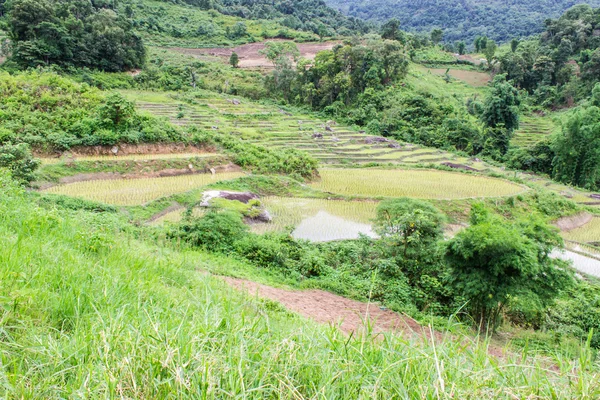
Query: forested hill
x=306, y=15
x=500, y=20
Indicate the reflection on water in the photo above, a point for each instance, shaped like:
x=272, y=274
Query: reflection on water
x=325, y=227
x=581, y=263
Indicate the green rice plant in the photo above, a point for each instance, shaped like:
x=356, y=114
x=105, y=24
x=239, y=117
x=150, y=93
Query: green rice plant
x=176, y=216
x=129, y=192
x=416, y=183
x=588, y=233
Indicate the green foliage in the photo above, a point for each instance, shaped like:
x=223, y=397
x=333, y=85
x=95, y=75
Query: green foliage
x=464, y=20
x=494, y=262
x=577, y=149
x=500, y=115
x=50, y=112
x=410, y=222
x=234, y=60
x=19, y=161
x=217, y=231
x=72, y=33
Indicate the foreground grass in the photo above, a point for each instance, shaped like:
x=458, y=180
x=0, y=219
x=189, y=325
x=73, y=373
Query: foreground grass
x=87, y=311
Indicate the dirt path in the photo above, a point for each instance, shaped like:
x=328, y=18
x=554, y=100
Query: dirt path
x=328, y=308
x=249, y=53
x=567, y=224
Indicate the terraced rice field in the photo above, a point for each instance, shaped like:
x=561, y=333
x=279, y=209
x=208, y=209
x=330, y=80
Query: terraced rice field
x=176, y=216
x=129, y=192
x=260, y=124
x=589, y=233
x=533, y=129
x=418, y=183
x=131, y=157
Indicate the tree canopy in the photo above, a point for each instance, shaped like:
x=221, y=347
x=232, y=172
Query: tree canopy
x=72, y=33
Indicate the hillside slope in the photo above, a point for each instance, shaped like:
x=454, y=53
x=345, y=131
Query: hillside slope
x=464, y=19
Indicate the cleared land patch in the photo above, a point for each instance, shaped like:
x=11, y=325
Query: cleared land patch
x=129, y=192
x=473, y=78
x=417, y=183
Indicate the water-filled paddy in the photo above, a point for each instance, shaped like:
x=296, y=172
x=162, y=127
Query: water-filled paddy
x=417, y=183
x=319, y=219
x=128, y=192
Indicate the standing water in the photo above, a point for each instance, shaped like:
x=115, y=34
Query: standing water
x=581, y=263
x=325, y=227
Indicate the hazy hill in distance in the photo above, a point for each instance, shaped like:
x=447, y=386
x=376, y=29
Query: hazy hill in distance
x=500, y=20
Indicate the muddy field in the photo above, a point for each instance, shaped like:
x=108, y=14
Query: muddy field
x=249, y=53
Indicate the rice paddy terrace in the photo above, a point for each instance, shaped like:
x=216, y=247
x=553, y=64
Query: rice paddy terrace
x=267, y=125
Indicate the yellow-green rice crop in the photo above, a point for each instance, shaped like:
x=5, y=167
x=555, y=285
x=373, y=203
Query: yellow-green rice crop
x=291, y=211
x=417, y=183
x=133, y=157
x=176, y=216
x=590, y=232
x=128, y=192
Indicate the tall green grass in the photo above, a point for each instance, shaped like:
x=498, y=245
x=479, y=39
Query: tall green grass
x=88, y=311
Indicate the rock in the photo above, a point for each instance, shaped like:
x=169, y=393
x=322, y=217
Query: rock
x=215, y=128
x=595, y=196
x=191, y=167
x=335, y=139
x=394, y=145
x=376, y=139
x=243, y=197
x=264, y=216
x=115, y=150
x=362, y=131
x=328, y=129
x=317, y=135
x=213, y=171
x=236, y=102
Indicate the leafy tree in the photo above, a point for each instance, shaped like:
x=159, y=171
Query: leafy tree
x=409, y=222
x=437, y=35
x=577, y=149
x=390, y=29
x=495, y=262
x=116, y=111
x=281, y=52
x=489, y=51
x=234, y=60
x=461, y=47
x=501, y=112
x=19, y=161
x=514, y=45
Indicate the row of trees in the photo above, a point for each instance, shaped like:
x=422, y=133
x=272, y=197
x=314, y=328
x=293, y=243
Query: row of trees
x=72, y=33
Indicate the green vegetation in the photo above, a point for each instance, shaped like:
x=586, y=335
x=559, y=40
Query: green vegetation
x=464, y=20
x=122, y=298
x=72, y=33
x=19, y=161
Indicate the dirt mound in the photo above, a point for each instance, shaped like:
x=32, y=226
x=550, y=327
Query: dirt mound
x=132, y=149
x=249, y=53
x=328, y=308
x=567, y=224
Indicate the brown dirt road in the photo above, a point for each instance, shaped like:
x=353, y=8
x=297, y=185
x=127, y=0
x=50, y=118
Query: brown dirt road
x=328, y=308
x=249, y=53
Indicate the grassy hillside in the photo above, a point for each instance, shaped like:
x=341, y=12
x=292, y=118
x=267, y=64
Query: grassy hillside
x=89, y=311
x=464, y=20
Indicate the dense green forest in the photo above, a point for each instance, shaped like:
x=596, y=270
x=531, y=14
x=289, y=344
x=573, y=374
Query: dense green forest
x=462, y=20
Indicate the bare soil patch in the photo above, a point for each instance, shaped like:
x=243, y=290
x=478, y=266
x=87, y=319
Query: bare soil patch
x=328, y=308
x=130, y=149
x=249, y=53
x=567, y=224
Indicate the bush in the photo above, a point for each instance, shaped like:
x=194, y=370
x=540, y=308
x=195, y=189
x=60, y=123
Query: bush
x=19, y=161
x=216, y=231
